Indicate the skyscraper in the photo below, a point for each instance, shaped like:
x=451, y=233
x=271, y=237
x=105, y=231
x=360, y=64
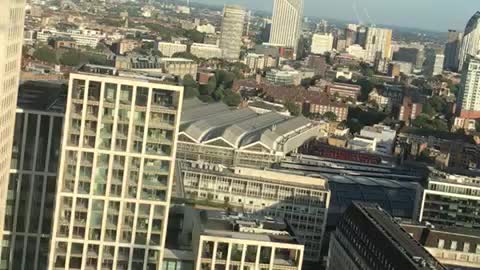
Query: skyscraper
x=12, y=14
x=232, y=30
x=378, y=42
x=115, y=174
x=452, y=49
x=468, y=100
x=471, y=39
x=287, y=23
x=31, y=189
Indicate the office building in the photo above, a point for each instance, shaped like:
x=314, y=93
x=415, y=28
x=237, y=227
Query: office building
x=322, y=43
x=456, y=248
x=344, y=90
x=452, y=49
x=125, y=45
x=367, y=237
x=206, y=51
x=410, y=109
x=468, y=100
x=33, y=175
x=357, y=51
x=378, y=44
x=438, y=64
x=116, y=171
x=451, y=199
x=83, y=37
x=283, y=77
x=471, y=40
x=12, y=15
x=232, y=30
x=287, y=23
x=168, y=49
x=299, y=200
x=201, y=239
x=217, y=134
x=384, y=136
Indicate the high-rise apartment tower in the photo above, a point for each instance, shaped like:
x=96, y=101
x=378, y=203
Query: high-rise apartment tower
x=287, y=23
x=232, y=30
x=115, y=175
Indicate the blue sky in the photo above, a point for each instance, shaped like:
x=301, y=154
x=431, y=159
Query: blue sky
x=439, y=15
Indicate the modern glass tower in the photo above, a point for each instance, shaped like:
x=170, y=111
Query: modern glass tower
x=116, y=171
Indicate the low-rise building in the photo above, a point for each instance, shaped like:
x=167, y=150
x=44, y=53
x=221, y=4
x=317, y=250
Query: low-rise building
x=357, y=52
x=173, y=66
x=206, y=51
x=384, y=138
x=62, y=42
x=283, y=77
x=456, y=248
x=451, y=199
x=217, y=134
x=383, y=102
x=409, y=109
x=83, y=37
x=125, y=45
x=168, y=49
x=299, y=200
x=344, y=90
x=205, y=239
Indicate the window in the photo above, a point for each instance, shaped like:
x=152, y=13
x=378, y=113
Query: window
x=441, y=243
x=466, y=247
x=453, y=246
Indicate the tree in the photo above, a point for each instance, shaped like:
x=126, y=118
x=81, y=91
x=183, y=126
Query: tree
x=219, y=93
x=293, y=108
x=366, y=87
x=207, y=99
x=232, y=99
x=185, y=55
x=45, y=54
x=208, y=89
x=330, y=116
x=428, y=109
x=73, y=58
x=195, y=36
x=190, y=86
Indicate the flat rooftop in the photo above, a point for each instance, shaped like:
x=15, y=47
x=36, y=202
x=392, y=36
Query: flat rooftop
x=46, y=96
x=400, y=239
x=222, y=224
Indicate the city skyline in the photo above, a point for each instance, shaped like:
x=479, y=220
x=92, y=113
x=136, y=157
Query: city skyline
x=342, y=10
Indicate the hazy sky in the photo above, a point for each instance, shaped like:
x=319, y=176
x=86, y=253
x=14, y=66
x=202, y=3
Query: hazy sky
x=437, y=15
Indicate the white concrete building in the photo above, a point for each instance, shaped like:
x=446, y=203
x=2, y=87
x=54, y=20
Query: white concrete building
x=287, y=23
x=322, y=43
x=451, y=199
x=206, y=51
x=471, y=40
x=206, y=28
x=384, y=136
x=299, y=200
x=12, y=16
x=378, y=42
x=168, y=49
x=232, y=31
x=468, y=101
x=357, y=51
x=116, y=171
x=438, y=65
